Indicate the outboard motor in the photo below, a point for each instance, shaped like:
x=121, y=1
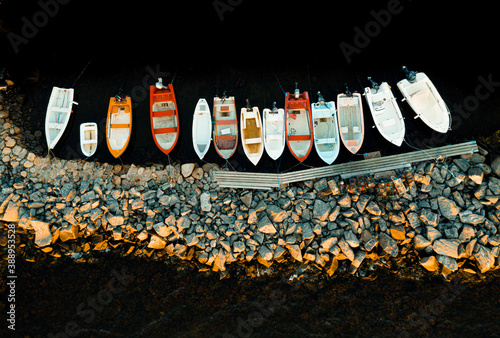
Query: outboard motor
x=119, y=96
x=159, y=84
x=297, y=91
x=347, y=91
x=375, y=85
x=321, y=100
x=248, y=105
x=224, y=97
x=275, y=109
x=410, y=75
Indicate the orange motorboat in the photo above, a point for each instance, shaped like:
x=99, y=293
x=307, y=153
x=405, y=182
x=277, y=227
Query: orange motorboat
x=164, y=116
x=298, y=126
x=119, y=124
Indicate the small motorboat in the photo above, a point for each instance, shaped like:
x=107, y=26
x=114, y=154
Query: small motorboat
x=225, y=126
x=350, y=117
x=202, y=128
x=424, y=99
x=59, y=112
x=251, y=133
x=119, y=124
x=385, y=111
x=298, y=127
x=326, y=130
x=273, y=131
x=164, y=116
x=88, y=138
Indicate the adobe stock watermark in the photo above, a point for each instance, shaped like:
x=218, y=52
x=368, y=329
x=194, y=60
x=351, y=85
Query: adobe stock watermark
x=40, y=19
x=223, y=6
x=372, y=29
x=486, y=87
x=95, y=304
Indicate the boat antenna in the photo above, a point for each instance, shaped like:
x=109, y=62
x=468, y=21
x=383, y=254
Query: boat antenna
x=248, y=105
x=347, y=91
x=321, y=100
x=297, y=91
x=375, y=85
x=410, y=75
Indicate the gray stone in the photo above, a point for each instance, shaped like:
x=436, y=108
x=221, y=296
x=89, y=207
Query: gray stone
x=275, y=213
x=11, y=214
x=116, y=220
x=162, y=229
x=265, y=225
x=362, y=203
x=468, y=217
x=413, y=220
x=371, y=244
x=373, y=208
x=156, y=242
x=429, y=263
x=187, y=169
x=462, y=163
x=205, y=202
x=68, y=232
x=344, y=201
x=495, y=166
x=351, y=239
x=398, y=232
x=429, y=217
x=346, y=249
x=476, y=175
x=484, y=259
x=448, y=208
x=321, y=210
x=43, y=237
x=447, y=247
x=357, y=261
x=388, y=244
x=494, y=185
x=420, y=242
x=449, y=262
x=183, y=223
x=468, y=232
x=238, y=246
x=433, y=234
x=247, y=199
x=295, y=251
x=265, y=253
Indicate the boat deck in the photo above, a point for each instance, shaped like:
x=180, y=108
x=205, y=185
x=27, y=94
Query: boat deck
x=265, y=181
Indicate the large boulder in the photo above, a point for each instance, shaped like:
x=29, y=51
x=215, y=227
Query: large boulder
x=447, y=247
x=388, y=244
x=448, y=208
x=43, y=237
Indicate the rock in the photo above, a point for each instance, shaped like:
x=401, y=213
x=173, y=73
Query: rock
x=447, y=247
x=197, y=173
x=265, y=253
x=43, y=237
x=484, y=259
x=357, y=261
x=344, y=201
x=373, y=209
x=333, y=267
x=275, y=213
x=362, y=202
x=433, y=234
x=468, y=232
x=495, y=166
x=183, y=223
x=238, y=246
x=448, y=208
x=252, y=217
x=468, y=217
x=247, y=199
x=156, y=242
x=10, y=142
x=420, y=242
x=430, y=263
x=162, y=229
x=371, y=244
x=398, y=232
x=429, y=217
x=388, y=244
x=321, y=210
x=351, y=239
x=265, y=225
x=476, y=175
x=477, y=158
x=116, y=220
x=68, y=232
x=469, y=249
x=346, y=249
x=295, y=252
x=11, y=214
x=327, y=243
x=448, y=262
x=187, y=169
x=494, y=185
x=413, y=220
x=192, y=239
x=462, y=163
x=205, y=202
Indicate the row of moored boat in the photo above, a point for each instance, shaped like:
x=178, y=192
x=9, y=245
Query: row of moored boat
x=299, y=125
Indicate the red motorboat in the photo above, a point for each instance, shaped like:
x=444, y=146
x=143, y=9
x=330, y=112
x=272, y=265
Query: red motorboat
x=298, y=126
x=164, y=116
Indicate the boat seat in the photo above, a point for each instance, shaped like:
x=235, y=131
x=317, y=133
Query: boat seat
x=274, y=137
x=120, y=125
x=352, y=142
x=344, y=130
x=165, y=130
x=388, y=123
x=55, y=125
x=59, y=110
x=163, y=113
x=225, y=122
x=326, y=140
x=299, y=137
x=253, y=140
x=225, y=131
x=89, y=141
x=225, y=137
x=356, y=129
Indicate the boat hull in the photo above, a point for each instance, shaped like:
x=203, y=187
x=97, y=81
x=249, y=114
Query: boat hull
x=202, y=128
x=273, y=130
x=350, y=121
x=88, y=138
x=386, y=113
x=119, y=125
x=424, y=99
x=164, y=118
x=225, y=134
x=298, y=126
x=251, y=134
x=59, y=111
x=326, y=131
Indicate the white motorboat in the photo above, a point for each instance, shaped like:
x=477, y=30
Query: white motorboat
x=251, y=133
x=424, y=99
x=202, y=128
x=350, y=117
x=385, y=111
x=88, y=138
x=273, y=130
x=59, y=112
x=325, y=129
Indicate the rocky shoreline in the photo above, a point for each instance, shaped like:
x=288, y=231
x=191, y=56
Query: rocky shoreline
x=447, y=220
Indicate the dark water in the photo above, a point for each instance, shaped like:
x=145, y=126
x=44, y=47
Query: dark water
x=255, y=46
